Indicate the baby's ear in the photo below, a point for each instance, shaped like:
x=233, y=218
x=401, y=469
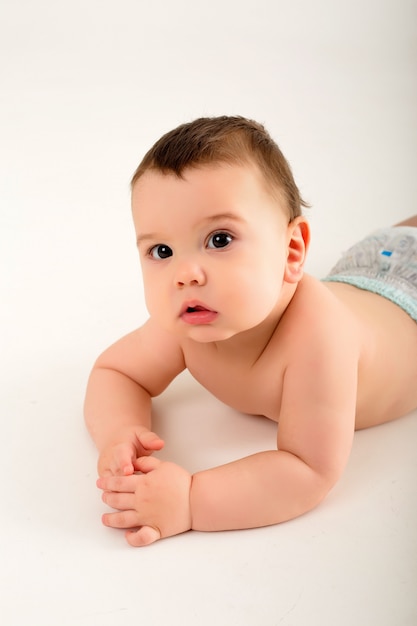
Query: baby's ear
x=298, y=241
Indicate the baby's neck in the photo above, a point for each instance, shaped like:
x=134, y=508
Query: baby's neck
x=250, y=344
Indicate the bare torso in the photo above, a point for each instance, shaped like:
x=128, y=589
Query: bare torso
x=387, y=354
x=387, y=386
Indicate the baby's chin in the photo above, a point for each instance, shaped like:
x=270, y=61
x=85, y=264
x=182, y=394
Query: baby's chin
x=205, y=334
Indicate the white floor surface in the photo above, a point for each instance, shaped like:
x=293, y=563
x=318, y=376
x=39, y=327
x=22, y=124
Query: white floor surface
x=85, y=88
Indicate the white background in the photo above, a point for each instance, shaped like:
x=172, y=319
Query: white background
x=86, y=87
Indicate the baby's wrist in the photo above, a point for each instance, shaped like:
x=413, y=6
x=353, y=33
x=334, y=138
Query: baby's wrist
x=117, y=438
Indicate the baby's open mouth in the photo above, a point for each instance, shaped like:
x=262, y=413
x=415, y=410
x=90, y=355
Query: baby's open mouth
x=198, y=314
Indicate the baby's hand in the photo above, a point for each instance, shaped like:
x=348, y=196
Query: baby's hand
x=118, y=458
x=153, y=505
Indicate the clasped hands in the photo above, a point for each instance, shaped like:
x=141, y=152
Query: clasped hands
x=152, y=504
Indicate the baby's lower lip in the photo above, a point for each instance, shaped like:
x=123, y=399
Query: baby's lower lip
x=199, y=316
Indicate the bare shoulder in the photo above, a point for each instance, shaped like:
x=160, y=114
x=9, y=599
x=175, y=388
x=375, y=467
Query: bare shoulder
x=315, y=315
x=148, y=355
x=353, y=329
x=318, y=405
x=325, y=340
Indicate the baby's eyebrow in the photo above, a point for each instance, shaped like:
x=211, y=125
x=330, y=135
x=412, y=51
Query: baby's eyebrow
x=223, y=216
x=146, y=237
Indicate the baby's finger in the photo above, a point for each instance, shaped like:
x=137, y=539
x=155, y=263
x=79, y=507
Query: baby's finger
x=122, y=468
x=151, y=441
x=147, y=464
x=119, y=501
x=122, y=484
x=143, y=537
x=122, y=462
x=123, y=519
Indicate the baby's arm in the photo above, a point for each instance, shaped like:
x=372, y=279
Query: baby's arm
x=118, y=398
x=314, y=440
x=315, y=433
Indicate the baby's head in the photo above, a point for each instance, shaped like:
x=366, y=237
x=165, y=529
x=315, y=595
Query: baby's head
x=218, y=225
x=210, y=141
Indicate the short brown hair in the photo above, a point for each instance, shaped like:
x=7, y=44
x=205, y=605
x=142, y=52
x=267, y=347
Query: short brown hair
x=233, y=140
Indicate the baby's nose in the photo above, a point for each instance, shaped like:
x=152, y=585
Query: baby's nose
x=189, y=273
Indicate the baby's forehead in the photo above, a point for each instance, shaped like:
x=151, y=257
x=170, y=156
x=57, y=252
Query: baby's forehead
x=203, y=169
x=219, y=187
x=213, y=172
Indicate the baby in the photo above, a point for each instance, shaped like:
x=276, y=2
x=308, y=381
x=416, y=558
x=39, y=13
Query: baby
x=222, y=243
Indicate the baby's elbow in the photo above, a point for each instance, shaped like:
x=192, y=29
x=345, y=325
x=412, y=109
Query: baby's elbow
x=310, y=487
x=323, y=482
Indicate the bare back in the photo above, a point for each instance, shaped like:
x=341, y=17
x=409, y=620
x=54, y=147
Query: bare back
x=388, y=370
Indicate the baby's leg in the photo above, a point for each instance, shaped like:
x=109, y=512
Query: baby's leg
x=412, y=221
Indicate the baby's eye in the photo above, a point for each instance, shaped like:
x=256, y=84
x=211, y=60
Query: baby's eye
x=219, y=240
x=161, y=251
